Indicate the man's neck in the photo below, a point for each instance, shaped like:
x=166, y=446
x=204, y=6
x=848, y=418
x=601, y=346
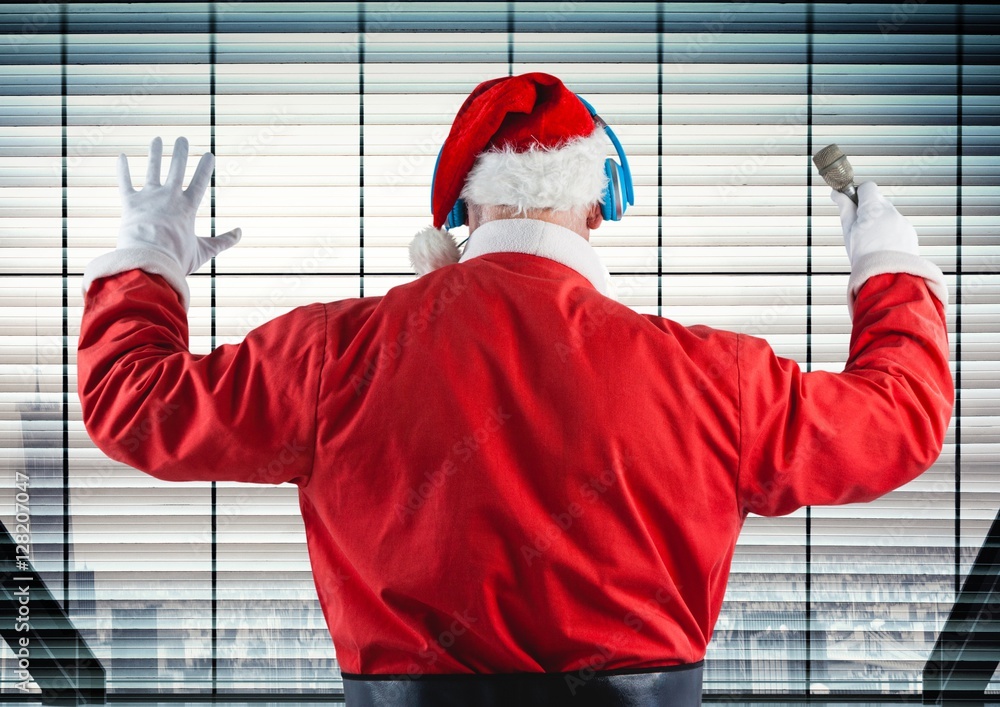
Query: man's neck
x=559, y=218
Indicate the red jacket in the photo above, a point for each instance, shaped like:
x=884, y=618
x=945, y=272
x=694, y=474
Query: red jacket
x=501, y=469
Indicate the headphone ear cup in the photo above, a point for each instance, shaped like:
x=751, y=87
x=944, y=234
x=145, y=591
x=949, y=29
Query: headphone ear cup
x=607, y=199
x=457, y=215
x=612, y=193
x=621, y=199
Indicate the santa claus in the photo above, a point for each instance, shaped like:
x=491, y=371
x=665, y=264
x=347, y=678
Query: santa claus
x=515, y=489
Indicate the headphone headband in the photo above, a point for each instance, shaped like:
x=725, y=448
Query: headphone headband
x=626, y=171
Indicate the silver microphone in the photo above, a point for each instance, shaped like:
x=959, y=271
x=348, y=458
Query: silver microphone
x=836, y=170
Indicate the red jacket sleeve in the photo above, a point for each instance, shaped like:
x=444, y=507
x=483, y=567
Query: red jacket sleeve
x=245, y=412
x=823, y=438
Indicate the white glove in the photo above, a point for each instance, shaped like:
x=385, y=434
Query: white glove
x=873, y=224
x=879, y=240
x=157, y=225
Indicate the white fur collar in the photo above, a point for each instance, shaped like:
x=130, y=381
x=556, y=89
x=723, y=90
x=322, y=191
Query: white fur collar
x=544, y=239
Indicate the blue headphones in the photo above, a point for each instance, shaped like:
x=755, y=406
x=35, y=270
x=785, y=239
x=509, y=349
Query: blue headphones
x=614, y=201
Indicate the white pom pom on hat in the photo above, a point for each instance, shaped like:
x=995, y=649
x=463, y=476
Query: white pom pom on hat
x=432, y=248
x=525, y=141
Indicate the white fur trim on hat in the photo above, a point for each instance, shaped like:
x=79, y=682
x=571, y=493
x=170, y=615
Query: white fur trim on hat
x=432, y=248
x=569, y=177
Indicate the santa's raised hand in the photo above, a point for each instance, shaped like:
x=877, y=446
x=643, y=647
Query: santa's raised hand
x=157, y=225
x=880, y=240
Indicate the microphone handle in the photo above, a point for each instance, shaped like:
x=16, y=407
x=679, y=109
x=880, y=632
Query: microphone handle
x=851, y=192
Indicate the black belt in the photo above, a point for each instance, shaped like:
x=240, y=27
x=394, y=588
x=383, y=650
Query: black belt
x=675, y=686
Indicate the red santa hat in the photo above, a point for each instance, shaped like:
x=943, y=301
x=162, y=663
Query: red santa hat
x=524, y=141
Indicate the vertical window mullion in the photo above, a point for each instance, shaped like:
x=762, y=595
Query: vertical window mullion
x=957, y=414
x=212, y=333
x=64, y=50
x=361, y=148
x=659, y=159
x=810, y=27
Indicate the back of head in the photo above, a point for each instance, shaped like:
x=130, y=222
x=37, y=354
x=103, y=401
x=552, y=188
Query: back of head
x=519, y=146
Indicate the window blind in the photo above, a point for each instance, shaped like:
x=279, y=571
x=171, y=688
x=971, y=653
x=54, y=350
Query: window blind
x=326, y=119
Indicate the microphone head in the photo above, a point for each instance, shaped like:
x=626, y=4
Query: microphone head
x=834, y=168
